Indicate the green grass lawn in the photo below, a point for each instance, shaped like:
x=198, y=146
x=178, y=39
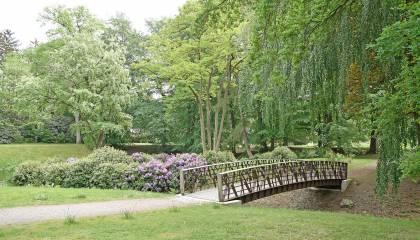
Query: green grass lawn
x=216, y=222
x=24, y=196
x=360, y=161
x=12, y=155
x=356, y=162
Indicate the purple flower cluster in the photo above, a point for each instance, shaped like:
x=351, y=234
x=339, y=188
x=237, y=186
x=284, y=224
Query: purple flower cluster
x=139, y=157
x=163, y=176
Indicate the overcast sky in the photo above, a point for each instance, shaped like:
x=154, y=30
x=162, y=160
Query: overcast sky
x=21, y=15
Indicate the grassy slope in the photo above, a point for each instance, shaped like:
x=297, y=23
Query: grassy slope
x=24, y=196
x=12, y=155
x=356, y=162
x=215, y=222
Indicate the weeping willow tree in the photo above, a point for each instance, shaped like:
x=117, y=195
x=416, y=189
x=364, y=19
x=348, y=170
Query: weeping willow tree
x=326, y=43
x=399, y=122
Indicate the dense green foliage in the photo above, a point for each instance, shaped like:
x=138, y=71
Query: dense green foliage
x=108, y=168
x=281, y=153
x=213, y=157
x=411, y=166
x=239, y=76
x=103, y=168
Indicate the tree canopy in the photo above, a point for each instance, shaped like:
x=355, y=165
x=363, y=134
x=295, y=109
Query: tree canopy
x=244, y=76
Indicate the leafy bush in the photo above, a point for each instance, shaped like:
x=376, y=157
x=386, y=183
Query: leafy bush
x=141, y=157
x=164, y=176
x=78, y=174
x=109, y=154
x=28, y=173
x=102, y=171
x=9, y=133
x=411, y=166
x=175, y=163
x=109, y=175
x=161, y=156
x=218, y=156
x=307, y=153
x=133, y=178
x=281, y=153
x=55, y=173
x=156, y=176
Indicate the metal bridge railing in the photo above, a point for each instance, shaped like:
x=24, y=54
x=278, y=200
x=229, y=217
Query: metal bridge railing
x=203, y=177
x=237, y=183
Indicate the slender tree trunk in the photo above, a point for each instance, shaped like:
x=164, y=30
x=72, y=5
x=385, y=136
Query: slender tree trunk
x=208, y=112
x=202, y=128
x=233, y=126
x=101, y=139
x=263, y=141
x=202, y=124
x=216, y=114
x=245, y=134
x=373, y=143
x=416, y=121
x=78, y=134
x=225, y=102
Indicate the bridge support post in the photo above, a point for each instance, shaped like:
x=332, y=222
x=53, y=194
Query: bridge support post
x=220, y=188
x=345, y=184
x=182, y=182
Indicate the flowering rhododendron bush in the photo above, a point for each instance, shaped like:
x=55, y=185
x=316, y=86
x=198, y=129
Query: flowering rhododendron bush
x=163, y=176
x=110, y=168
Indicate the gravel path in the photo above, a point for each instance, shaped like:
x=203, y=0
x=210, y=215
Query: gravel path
x=48, y=212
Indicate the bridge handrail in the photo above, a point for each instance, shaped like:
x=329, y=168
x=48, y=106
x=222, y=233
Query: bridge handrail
x=268, y=164
x=198, y=178
x=237, y=183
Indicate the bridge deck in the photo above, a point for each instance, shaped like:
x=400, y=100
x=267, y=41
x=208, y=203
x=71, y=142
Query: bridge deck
x=208, y=195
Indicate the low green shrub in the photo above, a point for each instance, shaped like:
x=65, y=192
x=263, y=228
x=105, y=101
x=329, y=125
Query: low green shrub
x=83, y=173
x=9, y=133
x=109, y=154
x=213, y=157
x=307, y=153
x=411, y=166
x=54, y=174
x=28, y=173
x=109, y=175
x=78, y=174
x=281, y=153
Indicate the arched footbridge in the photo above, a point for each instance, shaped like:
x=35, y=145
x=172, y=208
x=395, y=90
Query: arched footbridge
x=253, y=179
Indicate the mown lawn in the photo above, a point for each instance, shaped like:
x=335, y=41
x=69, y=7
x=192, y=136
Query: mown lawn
x=12, y=155
x=356, y=162
x=361, y=161
x=216, y=222
x=25, y=196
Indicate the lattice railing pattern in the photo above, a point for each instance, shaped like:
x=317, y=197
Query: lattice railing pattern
x=238, y=183
x=203, y=177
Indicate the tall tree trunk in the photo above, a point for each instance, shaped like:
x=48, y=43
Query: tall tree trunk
x=416, y=122
x=225, y=101
x=263, y=141
x=208, y=111
x=233, y=126
x=202, y=124
x=245, y=134
x=78, y=134
x=373, y=143
x=202, y=128
x=216, y=113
